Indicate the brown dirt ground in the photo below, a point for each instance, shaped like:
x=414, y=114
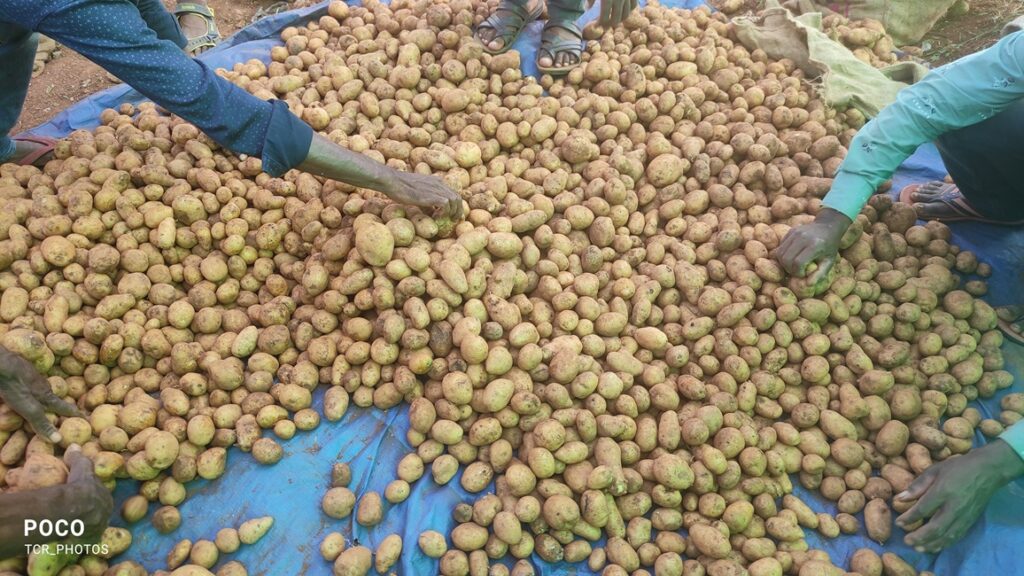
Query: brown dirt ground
x=71, y=77
x=953, y=38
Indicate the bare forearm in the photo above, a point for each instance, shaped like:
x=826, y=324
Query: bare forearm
x=16, y=509
x=329, y=160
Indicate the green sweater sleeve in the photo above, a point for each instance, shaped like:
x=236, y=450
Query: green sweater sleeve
x=959, y=94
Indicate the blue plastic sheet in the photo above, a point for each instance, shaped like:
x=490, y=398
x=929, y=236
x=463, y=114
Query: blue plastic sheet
x=372, y=442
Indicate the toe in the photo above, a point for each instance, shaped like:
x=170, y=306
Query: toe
x=545, y=61
x=496, y=44
x=931, y=210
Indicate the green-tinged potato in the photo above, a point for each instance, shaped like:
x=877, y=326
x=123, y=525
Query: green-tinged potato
x=252, y=530
x=332, y=546
x=388, y=551
x=710, y=541
x=115, y=540
x=432, y=544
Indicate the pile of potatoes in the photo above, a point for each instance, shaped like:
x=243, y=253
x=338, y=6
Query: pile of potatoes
x=604, y=350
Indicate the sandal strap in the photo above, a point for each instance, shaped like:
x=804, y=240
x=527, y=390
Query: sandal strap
x=502, y=24
x=193, y=8
x=204, y=41
x=48, y=145
x=953, y=198
x=561, y=43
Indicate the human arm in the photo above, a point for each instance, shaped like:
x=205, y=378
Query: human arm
x=615, y=12
x=28, y=393
x=959, y=94
x=329, y=160
x=83, y=498
x=952, y=494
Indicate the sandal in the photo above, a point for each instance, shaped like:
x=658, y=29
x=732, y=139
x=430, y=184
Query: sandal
x=48, y=144
x=212, y=36
x=553, y=44
x=508, y=26
x=1012, y=323
x=956, y=202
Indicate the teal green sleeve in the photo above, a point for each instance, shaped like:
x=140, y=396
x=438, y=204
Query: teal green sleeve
x=956, y=95
x=1014, y=436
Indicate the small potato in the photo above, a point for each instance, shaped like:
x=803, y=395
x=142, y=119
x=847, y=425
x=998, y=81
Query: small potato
x=338, y=502
x=371, y=509
x=252, y=530
x=432, y=544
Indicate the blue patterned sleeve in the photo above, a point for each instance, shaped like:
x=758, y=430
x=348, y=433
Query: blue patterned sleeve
x=114, y=35
x=956, y=95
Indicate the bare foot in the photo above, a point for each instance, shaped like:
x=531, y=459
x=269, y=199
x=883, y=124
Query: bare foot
x=928, y=201
x=194, y=26
x=491, y=36
x=562, y=57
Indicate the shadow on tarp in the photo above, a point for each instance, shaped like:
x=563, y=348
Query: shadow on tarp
x=372, y=442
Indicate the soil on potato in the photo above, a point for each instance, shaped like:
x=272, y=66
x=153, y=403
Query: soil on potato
x=70, y=77
x=953, y=38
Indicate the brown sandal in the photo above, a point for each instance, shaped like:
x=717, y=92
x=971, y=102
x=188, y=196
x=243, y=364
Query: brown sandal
x=48, y=144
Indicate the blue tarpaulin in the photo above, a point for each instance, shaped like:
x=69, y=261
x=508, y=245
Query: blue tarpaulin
x=372, y=442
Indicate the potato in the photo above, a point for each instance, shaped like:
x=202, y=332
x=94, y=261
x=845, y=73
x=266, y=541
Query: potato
x=432, y=544
x=227, y=540
x=332, y=546
x=115, y=541
x=375, y=243
x=355, y=561
x=387, y=553
x=166, y=519
x=710, y=541
x=878, y=520
x=39, y=471
x=865, y=561
x=204, y=553
x=253, y=529
x=371, y=510
x=338, y=502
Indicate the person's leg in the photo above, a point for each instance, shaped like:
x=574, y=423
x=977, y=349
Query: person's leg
x=113, y=34
x=983, y=161
x=162, y=22
x=192, y=23
x=500, y=30
x=561, y=43
x=17, y=52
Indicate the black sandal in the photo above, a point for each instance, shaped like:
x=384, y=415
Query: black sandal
x=212, y=36
x=558, y=44
x=508, y=26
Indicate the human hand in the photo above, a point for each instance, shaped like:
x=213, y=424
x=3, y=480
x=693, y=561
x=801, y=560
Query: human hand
x=615, y=12
x=817, y=242
x=28, y=393
x=954, y=493
x=424, y=191
x=86, y=498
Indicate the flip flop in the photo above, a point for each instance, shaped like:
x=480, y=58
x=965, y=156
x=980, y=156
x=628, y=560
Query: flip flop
x=508, y=26
x=554, y=46
x=212, y=36
x=957, y=203
x=48, y=144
